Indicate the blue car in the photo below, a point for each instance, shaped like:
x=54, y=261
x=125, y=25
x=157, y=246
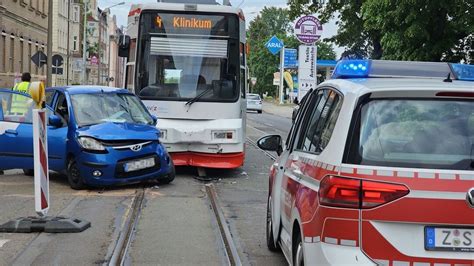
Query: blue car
x=97, y=136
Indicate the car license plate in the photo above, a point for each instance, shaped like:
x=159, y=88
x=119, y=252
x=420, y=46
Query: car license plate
x=449, y=239
x=139, y=164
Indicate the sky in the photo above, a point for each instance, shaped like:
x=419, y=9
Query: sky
x=251, y=9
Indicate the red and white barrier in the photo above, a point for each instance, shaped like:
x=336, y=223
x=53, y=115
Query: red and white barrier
x=40, y=142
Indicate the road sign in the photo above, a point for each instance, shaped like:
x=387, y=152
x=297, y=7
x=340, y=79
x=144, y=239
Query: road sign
x=58, y=70
x=307, y=78
x=39, y=58
x=308, y=29
x=94, y=60
x=57, y=60
x=291, y=58
x=274, y=45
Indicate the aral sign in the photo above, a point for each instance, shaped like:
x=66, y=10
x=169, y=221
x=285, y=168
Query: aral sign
x=308, y=29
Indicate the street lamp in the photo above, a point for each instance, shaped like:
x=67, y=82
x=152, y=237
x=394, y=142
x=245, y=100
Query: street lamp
x=105, y=10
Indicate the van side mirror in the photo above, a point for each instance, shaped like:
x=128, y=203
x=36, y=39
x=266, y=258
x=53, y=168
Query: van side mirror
x=271, y=143
x=124, y=46
x=295, y=113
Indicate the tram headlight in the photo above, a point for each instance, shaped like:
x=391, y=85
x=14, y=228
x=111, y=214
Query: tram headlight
x=223, y=135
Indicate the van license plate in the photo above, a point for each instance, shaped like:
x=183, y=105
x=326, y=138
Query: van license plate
x=139, y=164
x=449, y=239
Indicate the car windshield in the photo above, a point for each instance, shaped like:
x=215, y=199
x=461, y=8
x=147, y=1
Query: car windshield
x=417, y=133
x=253, y=97
x=91, y=109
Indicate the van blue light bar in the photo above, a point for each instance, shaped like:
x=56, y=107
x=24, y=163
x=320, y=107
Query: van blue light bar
x=346, y=69
x=463, y=71
x=352, y=69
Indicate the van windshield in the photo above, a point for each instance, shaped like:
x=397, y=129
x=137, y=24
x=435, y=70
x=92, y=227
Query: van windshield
x=435, y=134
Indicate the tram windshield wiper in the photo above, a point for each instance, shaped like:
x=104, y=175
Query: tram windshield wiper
x=199, y=96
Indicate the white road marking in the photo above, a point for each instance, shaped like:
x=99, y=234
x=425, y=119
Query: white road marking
x=3, y=242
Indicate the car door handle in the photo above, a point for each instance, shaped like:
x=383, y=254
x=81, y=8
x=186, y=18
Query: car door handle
x=11, y=131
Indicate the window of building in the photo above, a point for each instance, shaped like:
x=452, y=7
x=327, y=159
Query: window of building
x=22, y=55
x=3, y=52
x=74, y=43
x=12, y=53
x=29, y=56
x=75, y=14
x=36, y=50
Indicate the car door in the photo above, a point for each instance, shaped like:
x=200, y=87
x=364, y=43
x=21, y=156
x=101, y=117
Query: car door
x=279, y=185
x=16, y=134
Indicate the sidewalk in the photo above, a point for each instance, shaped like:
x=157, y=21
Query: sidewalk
x=279, y=110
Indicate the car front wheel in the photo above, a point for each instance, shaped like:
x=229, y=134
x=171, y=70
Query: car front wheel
x=74, y=177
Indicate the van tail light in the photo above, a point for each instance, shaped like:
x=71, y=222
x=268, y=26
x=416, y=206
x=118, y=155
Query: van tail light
x=354, y=193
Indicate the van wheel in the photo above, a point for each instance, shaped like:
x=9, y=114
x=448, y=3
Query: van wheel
x=29, y=172
x=270, y=238
x=259, y=111
x=298, y=257
x=74, y=177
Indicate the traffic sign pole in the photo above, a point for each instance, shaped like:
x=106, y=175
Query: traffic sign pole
x=282, y=70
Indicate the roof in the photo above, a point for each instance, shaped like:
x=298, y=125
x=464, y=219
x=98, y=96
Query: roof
x=367, y=85
x=89, y=89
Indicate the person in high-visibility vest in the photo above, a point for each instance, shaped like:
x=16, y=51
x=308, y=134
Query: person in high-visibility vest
x=19, y=104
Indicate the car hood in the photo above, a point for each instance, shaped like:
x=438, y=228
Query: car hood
x=119, y=131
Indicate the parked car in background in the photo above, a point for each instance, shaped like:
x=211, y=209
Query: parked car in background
x=97, y=136
x=378, y=168
x=254, y=103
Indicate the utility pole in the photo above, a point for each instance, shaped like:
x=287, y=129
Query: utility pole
x=99, y=58
x=68, y=39
x=49, y=64
x=84, y=44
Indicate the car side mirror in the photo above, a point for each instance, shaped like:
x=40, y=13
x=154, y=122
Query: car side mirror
x=271, y=143
x=155, y=120
x=55, y=121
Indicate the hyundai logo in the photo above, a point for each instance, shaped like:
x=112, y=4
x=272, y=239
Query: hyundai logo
x=137, y=147
x=470, y=197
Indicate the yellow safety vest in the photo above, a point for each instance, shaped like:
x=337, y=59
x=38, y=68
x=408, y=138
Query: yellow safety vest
x=20, y=103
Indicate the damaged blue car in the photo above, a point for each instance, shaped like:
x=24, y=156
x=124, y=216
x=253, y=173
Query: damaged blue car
x=97, y=136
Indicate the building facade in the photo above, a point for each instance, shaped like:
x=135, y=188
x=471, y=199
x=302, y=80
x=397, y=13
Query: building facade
x=61, y=30
x=23, y=33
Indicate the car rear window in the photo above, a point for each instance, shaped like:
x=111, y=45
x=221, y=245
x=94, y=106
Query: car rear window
x=415, y=133
x=253, y=97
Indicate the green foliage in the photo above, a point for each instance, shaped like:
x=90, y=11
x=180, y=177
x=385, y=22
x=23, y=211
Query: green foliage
x=273, y=21
x=422, y=30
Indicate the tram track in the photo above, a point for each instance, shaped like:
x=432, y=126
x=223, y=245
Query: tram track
x=120, y=254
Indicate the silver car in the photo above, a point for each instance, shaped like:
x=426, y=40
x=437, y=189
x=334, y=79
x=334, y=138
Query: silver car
x=254, y=103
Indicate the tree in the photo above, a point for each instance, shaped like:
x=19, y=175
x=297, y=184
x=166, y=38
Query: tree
x=262, y=64
x=398, y=29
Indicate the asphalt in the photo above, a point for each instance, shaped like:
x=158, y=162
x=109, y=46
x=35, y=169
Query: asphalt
x=175, y=227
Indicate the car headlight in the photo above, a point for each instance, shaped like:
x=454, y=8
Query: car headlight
x=90, y=144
